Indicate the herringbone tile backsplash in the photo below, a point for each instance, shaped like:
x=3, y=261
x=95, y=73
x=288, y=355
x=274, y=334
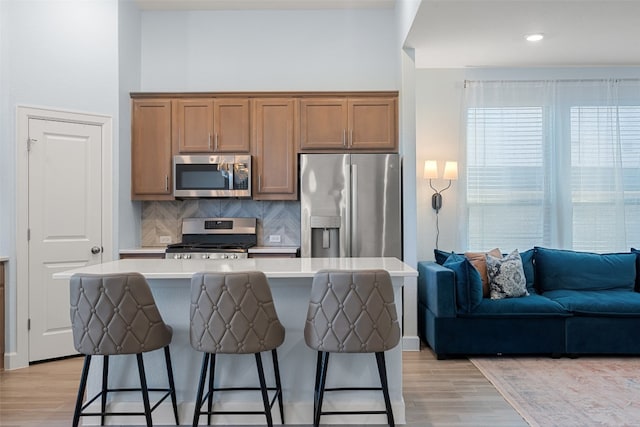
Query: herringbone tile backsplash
x=165, y=218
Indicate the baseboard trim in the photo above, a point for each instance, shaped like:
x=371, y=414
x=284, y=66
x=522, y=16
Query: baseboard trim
x=14, y=361
x=410, y=343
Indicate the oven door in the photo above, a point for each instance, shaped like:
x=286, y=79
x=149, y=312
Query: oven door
x=209, y=176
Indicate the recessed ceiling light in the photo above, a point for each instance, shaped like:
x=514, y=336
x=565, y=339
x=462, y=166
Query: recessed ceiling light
x=534, y=37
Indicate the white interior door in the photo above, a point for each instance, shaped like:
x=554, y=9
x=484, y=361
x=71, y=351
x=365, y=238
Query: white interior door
x=65, y=196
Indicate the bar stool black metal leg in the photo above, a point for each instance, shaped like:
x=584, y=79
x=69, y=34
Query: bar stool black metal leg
x=263, y=387
x=203, y=376
x=105, y=387
x=323, y=381
x=316, y=390
x=81, y=390
x=382, y=370
x=212, y=373
x=145, y=390
x=172, y=386
x=276, y=370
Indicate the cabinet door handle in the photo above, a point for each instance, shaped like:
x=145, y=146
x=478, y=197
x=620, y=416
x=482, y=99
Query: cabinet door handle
x=166, y=183
x=216, y=142
x=209, y=141
x=350, y=137
x=344, y=137
x=259, y=182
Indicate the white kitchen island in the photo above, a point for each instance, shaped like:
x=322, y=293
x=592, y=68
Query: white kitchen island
x=290, y=281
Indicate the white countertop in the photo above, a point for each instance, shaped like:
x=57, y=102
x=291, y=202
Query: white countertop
x=273, y=249
x=284, y=268
x=254, y=249
x=144, y=250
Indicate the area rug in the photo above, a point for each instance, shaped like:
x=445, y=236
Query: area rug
x=587, y=391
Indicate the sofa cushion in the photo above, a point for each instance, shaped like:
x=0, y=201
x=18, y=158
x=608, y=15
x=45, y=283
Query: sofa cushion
x=506, y=276
x=479, y=262
x=441, y=256
x=529, y=269
x=467, y=282
x=616, y=303
x=564, y=269
x=637, y=252
x=527, y=306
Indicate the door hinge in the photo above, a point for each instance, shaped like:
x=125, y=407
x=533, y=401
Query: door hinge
x=28, y=234
x=28, y=324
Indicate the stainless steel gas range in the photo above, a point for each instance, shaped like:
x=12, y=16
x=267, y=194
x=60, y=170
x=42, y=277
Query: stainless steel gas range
x=214, y=238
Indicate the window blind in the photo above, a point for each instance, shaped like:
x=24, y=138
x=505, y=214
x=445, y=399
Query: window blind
x=552, y=163
x=505, y=178
x=605, y=177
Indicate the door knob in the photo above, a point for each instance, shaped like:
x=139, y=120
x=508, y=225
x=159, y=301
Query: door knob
x=96, y=250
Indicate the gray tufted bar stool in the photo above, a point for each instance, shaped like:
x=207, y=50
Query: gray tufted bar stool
x=351, y=312
x=233, y=313
x=112, y=315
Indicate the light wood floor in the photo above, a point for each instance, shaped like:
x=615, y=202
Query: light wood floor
x=437, y=393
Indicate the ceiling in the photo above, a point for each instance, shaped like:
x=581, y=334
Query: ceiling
x=480, y=33
x=486, y=33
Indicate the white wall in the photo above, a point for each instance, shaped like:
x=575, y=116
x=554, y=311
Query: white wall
x=439, y=97
x=406, y=11
x=6, y=164
x=407, y=124
x=269, y=50
x=405, y=14
x=57, y=54
x=128, y=217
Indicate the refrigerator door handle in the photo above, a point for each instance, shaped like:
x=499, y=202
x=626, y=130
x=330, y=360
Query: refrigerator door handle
x=354, y=210
x=345, y=236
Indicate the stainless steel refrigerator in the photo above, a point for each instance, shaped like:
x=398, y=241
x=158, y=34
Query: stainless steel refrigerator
x=350, y=205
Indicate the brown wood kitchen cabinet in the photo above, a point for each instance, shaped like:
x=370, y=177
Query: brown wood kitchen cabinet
x=272, y=126
x=151, y=150
x=143, y=256
x=211, y=125
x=274, y=143
x=349, y=123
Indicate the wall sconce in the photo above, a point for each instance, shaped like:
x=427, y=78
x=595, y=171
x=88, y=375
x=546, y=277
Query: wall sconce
x=431, y=173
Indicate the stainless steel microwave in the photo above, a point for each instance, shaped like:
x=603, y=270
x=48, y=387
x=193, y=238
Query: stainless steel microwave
x=212, y=176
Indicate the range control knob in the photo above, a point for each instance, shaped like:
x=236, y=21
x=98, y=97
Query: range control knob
x=234, y=256
x=187, y=256
x=205, y=256
x=177, y=256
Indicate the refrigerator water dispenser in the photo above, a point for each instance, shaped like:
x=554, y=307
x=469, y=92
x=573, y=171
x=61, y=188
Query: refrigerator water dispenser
x=325, y=236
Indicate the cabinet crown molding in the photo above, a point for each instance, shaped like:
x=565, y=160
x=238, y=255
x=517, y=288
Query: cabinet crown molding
x=278, y=94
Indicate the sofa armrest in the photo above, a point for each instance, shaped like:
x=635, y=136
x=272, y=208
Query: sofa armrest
x=436, y=289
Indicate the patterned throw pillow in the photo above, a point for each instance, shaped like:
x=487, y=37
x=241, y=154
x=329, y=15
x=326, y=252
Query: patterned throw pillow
x=506, y=276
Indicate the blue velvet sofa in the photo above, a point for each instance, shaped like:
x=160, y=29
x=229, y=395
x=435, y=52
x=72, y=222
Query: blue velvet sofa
x=578, y=303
